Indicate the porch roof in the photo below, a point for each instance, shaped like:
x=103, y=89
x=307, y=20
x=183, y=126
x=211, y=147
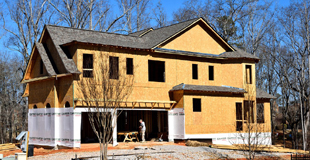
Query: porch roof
x=206, y=88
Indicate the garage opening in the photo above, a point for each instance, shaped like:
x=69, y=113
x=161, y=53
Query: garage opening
x=87, y=133
x=156, y=123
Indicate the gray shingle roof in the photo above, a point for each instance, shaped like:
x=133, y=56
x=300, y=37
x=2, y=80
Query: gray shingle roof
x=261, y=94
x=138, y=33
x=239, y=53
x=205, y=88
x=65, y=35
x=46, y=61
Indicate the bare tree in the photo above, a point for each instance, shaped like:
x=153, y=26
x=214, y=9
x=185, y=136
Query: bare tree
x=252, y=131
x=104, y=94
x=160, y=16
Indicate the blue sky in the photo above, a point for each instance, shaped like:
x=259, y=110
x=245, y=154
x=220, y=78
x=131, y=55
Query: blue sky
x=170, y=6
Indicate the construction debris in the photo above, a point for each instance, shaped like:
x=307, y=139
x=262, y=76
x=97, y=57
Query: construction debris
x=196, y=143
x=8, y=147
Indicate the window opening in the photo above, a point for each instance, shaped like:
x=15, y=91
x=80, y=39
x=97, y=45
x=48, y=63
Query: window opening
x=41, y=66
x=67, y=105
x=195, y=71
x=260, y=113
x=196, y=105
x=129, y=66
x=211, y=73
x=248, y=111
x=48, y=105
x=248, y=69
x=88, y=65
x=113, y=67
x=156, y=71
x=239, y=126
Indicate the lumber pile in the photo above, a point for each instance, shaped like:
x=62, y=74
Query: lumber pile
x=269, y=148
x=8, y=147
x=196, y=143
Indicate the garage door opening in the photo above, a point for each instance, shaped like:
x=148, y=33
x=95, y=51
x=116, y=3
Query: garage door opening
x=156, y=123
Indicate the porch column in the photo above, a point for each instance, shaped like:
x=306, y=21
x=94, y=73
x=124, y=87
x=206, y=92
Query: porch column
x=114, y=125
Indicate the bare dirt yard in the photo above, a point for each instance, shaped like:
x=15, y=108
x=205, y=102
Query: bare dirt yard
x=148, y=150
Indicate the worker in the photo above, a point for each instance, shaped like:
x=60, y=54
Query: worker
x=143, y=128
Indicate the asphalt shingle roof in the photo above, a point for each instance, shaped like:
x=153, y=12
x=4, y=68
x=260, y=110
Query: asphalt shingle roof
x=150, y=40
x=205, y=88
x=46, y=61
x=238, y=53
x=261, y=94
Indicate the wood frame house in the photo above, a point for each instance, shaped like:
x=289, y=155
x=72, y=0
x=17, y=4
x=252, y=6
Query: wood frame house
x=189, y=84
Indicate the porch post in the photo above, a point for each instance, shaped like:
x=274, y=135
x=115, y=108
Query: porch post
x=114, y=125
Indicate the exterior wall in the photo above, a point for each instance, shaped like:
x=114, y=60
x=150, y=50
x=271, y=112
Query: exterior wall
x=41, y=93
x=35, y=72
x=178, y=70
x=196, y=40
x=55, y=92
x=65, y=91
x=218, y=114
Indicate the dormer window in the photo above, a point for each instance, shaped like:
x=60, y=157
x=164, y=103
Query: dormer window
x=87, y=65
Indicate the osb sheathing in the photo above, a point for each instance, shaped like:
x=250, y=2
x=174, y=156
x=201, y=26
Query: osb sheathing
x=35, y=69
x=41, y=93
x=177, y=70
x=197, y=39
x=65, y=91
x=218, y=115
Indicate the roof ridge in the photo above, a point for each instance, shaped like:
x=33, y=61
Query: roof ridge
x=141, y=30
x=89, y=30
x=177, y=23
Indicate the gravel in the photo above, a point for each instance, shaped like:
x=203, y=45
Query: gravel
x=160, y=152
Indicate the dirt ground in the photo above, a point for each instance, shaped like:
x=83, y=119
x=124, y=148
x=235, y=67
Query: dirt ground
x=91, y=147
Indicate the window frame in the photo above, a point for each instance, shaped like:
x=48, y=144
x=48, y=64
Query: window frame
x=88, y=71
x=248, y=76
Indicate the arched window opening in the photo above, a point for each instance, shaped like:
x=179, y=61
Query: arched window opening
x=48, y=105
x=35, y=107
x=67, y=105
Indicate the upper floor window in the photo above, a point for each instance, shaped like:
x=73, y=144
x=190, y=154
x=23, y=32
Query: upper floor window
x=113, y=67
x=88, y=65
x=211, y=73
x=129, y=66
x=248, y=73
x=196, y=105
x=41, y=66
x=195, y=71
x=156, y=71
x=260, y=113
